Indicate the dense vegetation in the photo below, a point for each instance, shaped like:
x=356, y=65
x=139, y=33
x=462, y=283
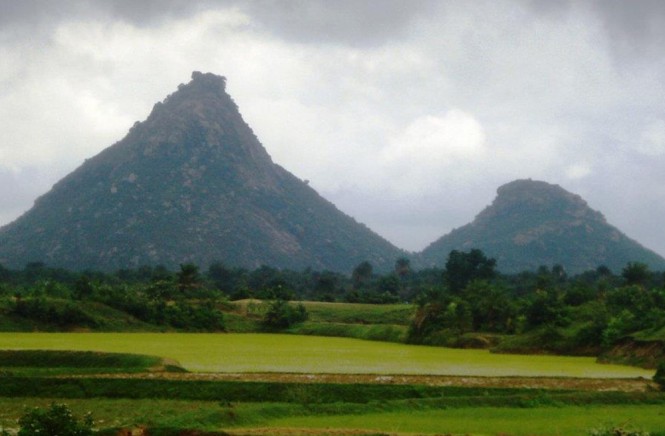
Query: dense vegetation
x=468, y=303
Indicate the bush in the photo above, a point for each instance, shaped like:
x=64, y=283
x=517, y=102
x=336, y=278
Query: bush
x=659, y=377
x=57, y=420
x=58, y=312
x=281, y=315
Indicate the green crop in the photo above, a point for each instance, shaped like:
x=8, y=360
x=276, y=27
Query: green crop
x=209, y=352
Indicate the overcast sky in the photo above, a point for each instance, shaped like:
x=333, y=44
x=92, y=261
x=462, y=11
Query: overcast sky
x=405, y=114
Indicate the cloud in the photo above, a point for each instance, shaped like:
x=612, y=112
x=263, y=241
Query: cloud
x=356, y=23
x=430, y=149
x=578, y=171
x=407, y=116
x=652, y=140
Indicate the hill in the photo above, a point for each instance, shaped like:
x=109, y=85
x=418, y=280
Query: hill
x=532, y=223
x=191, y=183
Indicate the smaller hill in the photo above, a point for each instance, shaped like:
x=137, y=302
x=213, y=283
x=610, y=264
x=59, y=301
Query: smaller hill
x=533, y=223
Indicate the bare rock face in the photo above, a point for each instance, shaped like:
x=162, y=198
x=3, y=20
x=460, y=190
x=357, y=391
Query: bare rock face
x=532, y=223
x=191, y=183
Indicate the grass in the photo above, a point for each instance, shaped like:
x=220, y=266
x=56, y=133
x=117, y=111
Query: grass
x=51, y=362
x=356, y=313
x=304, y=354
x=409, y=417
x=128, y=413
x=102, y=317
x=311, y=394
x=371, y=332
x=542, y=421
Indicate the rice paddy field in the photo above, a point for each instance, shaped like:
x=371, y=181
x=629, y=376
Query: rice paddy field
x=226, y=393
x=309, y=354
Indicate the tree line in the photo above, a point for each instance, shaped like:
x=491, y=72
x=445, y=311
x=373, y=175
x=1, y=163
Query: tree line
x=467, y=294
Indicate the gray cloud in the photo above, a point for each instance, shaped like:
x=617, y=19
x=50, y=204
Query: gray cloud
x=637, y=23
x=350, y=22
x=407, y=115
x=145, y=12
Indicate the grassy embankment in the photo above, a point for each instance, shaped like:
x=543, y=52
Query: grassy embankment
x=59, y=362
x=378, y=322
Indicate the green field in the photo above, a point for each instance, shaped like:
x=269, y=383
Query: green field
x=168, y=405
x=309, y=354
x=275, y=418
x=542, y=421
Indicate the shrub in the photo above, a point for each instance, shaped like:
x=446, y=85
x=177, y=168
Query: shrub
x=60, y=313
x=281, y=315
x=659, y=377
x=57, y=420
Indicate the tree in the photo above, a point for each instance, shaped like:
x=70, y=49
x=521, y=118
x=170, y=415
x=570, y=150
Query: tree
x=221, y=277
x=388, y=284
x=428, y=318
x=457, y=316
x=57, y=420
x=5, y=274
x=326, y=283
x=402, y=267
x=462, y=268
x=188, y=277
x=491, y=308
x=636, y=273
x=546, y=309
x=362, y=274
x=83, y=288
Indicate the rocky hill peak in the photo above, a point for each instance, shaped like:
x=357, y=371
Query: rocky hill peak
x=533, y=223
x=191, y=183
x=532, y=198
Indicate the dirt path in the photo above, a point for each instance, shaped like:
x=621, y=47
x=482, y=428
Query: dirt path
x=584, y=384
